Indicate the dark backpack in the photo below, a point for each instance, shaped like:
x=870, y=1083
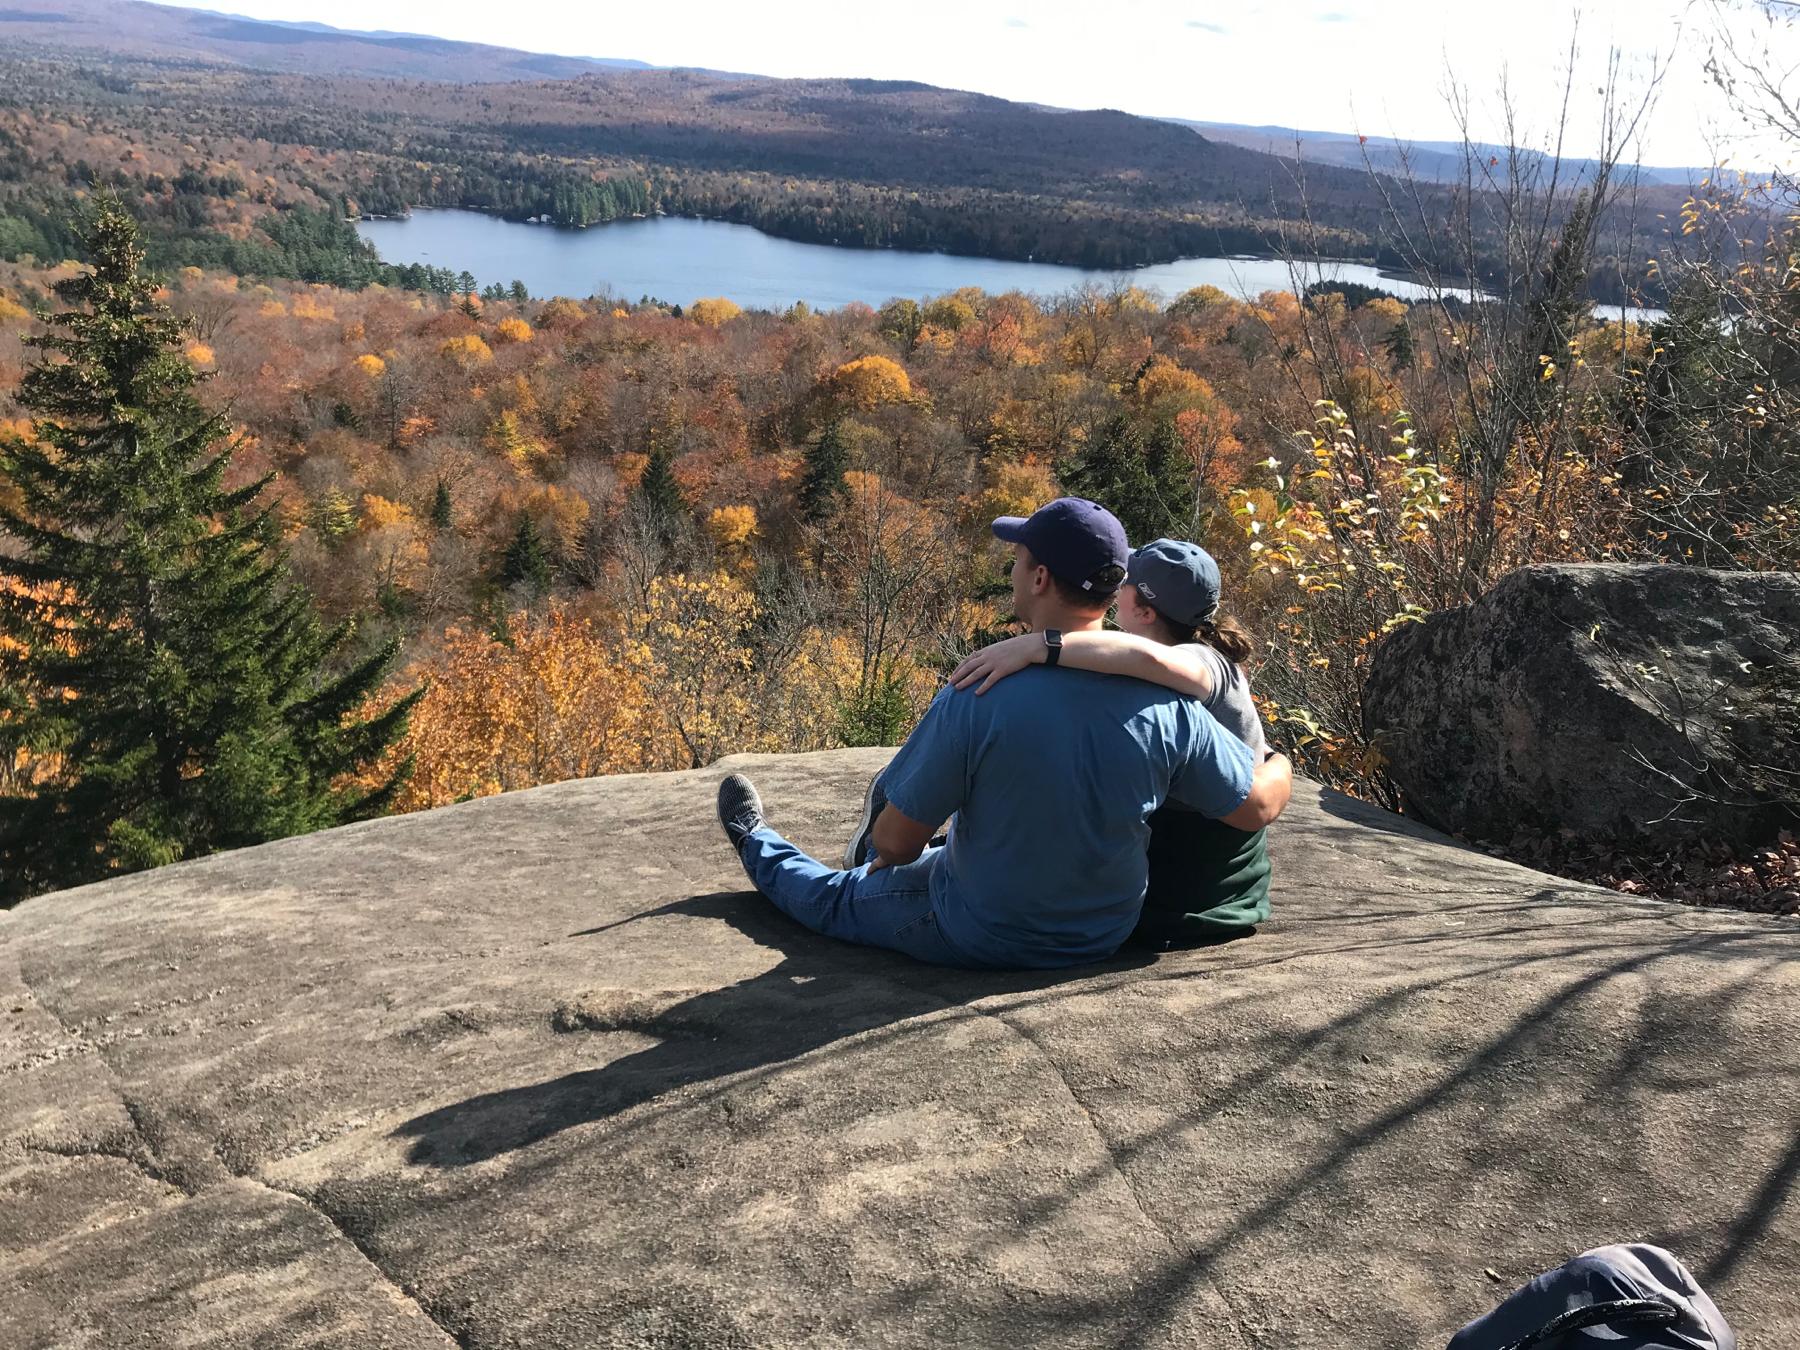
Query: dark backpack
x=1635, y=1297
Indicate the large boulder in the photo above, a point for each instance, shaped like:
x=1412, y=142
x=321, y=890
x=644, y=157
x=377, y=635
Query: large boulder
x=536, y=1071
x=1643, y=707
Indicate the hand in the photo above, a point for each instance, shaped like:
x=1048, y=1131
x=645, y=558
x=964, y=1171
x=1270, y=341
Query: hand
x=876, y=863
x=996, y=661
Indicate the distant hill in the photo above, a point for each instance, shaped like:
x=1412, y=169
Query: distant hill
x=132, y=28
x=1434, y=161
x=135, y=28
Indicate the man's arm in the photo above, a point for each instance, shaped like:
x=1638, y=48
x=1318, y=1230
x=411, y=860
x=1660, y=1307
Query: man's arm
x=927, y=776
x=1269, y=793
x=898, y=838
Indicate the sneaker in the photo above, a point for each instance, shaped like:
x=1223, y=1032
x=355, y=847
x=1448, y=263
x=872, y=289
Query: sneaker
x=861, y=849
x=740, y=808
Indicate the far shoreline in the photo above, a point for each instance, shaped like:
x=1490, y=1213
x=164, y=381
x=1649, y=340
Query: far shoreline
x=1453, y=291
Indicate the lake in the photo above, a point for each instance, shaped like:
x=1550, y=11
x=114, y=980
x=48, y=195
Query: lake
x=680, y=260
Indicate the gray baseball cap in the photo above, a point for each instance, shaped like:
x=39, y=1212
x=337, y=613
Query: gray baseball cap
x=1180, y=580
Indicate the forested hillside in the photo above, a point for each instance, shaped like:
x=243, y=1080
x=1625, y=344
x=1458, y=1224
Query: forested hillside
x=848, y=162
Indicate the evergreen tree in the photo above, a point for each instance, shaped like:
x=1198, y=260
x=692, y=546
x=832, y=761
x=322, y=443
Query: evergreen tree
x=822, y=489
x=526, y=561
x=518, y=292
x=1148, y=485
x=661, y=494
x=156, y=637
x=442, y=508
x=1401, y=348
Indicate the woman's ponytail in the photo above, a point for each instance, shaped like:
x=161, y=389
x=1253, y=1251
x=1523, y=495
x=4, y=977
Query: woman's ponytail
x=1228, y=637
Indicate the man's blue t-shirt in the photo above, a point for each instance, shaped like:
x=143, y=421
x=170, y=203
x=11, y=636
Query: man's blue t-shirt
x=1052, y=776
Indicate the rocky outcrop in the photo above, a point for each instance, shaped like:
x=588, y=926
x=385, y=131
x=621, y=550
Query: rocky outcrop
x=1645, y=707
x=535, y=1071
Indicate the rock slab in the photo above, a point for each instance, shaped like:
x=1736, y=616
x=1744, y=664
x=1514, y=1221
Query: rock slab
x=536, y=1071
x=1641, y=707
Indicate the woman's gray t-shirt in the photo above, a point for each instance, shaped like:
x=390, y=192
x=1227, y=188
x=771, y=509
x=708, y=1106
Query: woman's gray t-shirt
x=1230, y=702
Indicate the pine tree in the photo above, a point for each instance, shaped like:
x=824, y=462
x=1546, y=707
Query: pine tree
x=1148, y=485
x=526, y=561
x=1401, y=348
x=167, y=652
x=518, y=292
x=822, y=490
x=658, y=491
x=442, y=508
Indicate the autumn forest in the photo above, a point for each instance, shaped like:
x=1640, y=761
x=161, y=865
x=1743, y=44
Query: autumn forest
x=574, y=536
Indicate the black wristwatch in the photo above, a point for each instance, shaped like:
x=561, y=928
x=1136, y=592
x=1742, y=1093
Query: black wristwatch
x=1052, y=646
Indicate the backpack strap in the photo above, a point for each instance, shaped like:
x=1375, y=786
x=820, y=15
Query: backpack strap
x=1645, y=1311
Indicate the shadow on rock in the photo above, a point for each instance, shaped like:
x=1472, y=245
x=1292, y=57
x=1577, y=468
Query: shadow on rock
x=822, y=992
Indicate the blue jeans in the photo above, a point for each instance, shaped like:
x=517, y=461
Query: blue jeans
x=890, y=908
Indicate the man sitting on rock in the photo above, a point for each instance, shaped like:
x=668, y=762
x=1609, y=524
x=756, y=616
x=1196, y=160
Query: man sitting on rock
x=1051, y=777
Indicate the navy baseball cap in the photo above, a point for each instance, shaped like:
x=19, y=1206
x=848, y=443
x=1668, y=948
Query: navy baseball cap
x=1074, y=538
x=1179, y=580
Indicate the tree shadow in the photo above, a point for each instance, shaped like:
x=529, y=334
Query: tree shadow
x=1758, y=1215
x=821, y=992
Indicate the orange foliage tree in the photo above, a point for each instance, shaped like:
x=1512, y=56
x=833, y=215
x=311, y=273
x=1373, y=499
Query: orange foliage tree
x=560, y=697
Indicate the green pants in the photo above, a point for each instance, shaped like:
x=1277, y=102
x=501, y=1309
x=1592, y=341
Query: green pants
x=1208, y=882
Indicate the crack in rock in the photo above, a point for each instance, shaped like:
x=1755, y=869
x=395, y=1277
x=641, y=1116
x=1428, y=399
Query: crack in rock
x=141, y=1162
x=458, y=1338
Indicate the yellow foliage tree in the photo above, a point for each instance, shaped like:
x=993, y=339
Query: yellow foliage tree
x=561, y=313
x=1015, y=488
x=512, y=330
x=697, y=630
x=713, y=311
x=733, y=529
x=467, y=350
x=199, y=353
x=870, y=381
x=379, y=513
x=371, y=365
x=390, y=543
x=732, y=526
x=560, y=515
x=1166, y=385
x=950, y=313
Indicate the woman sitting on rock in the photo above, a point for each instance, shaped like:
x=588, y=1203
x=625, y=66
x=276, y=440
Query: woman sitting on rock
x=1208, y=881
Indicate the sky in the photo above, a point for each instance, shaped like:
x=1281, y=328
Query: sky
x=1380, y=67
